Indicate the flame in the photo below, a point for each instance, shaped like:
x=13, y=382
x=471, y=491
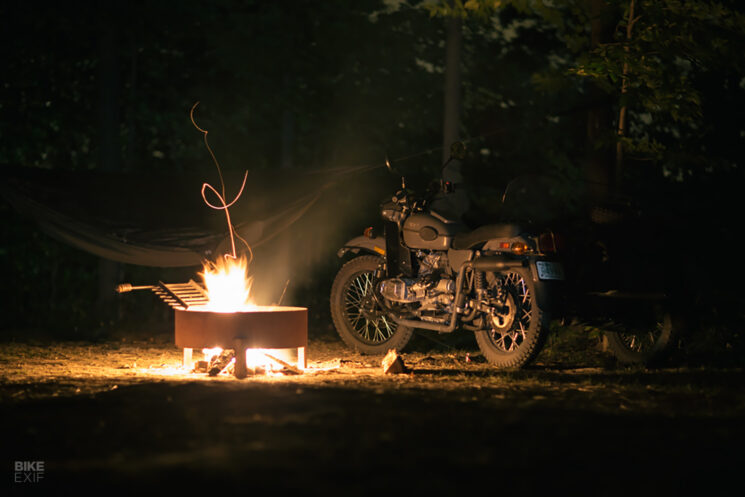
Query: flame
x=228, y=285
x=210, y=353
x=257, y=359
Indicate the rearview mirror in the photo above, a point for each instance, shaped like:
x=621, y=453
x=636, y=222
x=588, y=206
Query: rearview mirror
x=393, y=171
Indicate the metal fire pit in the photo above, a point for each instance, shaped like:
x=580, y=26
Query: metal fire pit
x=262, y=327
x=265, y=327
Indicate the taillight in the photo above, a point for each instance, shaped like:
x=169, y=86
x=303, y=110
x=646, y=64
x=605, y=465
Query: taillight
x=547, y=243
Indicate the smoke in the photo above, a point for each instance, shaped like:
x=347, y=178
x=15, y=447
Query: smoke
x=302, y=260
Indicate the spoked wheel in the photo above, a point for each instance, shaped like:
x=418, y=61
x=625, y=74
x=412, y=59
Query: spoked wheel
x=358, y=317
x=644, y=339
x=513, y=333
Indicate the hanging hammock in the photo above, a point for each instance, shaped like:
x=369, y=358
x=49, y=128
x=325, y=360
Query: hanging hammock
x=156, y=219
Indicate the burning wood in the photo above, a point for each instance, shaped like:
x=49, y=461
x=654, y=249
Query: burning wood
x=201, y=367
x=258, y=362
x=289, y=367
x=220, y=362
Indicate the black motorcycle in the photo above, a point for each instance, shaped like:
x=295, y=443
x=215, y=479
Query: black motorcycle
x=429, y=271
x=625, y=281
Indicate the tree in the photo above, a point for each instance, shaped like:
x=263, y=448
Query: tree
x=645, y=60
x=653, y=68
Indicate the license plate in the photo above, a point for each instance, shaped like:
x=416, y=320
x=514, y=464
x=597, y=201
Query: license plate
x=549, y=270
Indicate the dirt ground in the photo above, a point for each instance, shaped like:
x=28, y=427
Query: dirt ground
x=123, y=414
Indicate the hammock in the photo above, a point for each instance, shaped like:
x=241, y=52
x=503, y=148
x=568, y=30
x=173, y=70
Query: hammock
x=155, y=219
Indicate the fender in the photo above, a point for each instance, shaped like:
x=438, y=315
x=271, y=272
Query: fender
x=546, y=296
x=550, y=294
x=374, y=246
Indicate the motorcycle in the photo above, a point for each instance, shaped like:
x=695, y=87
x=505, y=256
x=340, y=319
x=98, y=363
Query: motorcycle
x=625, y=283
x=429, y=271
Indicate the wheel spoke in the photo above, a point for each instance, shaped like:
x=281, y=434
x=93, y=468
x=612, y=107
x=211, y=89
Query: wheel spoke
x=355, y=319
x=378, y=332
x=387, y=327
x=527, y=315
x=361, y=318
x=508, y=340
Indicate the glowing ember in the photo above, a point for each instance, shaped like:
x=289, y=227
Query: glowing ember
x=256, y=359
x=209, y=354
x=228, y=285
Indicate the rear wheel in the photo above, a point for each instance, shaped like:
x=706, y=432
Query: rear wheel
x=644, y=340
x=513, y=333
x=358, y=317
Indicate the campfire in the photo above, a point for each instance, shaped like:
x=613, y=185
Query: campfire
x=219, y=314
x=261, y=336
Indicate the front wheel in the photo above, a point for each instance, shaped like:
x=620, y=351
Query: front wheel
x=360, y=321
x=513, y=333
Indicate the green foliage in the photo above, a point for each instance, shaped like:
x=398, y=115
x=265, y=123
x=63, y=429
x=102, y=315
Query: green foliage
x=248, y=65
x=460, y=8
x=672, y=44
x=655, y=71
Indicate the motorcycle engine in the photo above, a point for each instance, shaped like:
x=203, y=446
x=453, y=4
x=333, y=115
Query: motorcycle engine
x=433, y=290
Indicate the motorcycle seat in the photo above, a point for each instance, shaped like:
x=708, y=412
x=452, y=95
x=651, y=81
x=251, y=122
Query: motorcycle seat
x=471, y=239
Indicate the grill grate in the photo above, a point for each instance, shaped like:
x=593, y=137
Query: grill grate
x=177, y=295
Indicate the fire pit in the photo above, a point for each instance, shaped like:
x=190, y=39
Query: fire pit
x=265, y=327
x=256, y=327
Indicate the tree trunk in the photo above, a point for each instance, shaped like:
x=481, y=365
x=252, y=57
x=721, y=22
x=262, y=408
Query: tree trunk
x=109, y=91
x=599, y=161
x=618, y=173
x=455, y=204
x=451, y=121
x=131, y=115
x=109, y=147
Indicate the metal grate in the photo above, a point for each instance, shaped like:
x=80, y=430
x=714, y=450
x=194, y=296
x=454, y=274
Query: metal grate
x=177, y=295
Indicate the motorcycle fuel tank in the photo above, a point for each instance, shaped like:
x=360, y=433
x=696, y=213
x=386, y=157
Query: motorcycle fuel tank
x=425, y=231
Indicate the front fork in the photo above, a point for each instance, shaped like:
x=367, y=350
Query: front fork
x=379, y=275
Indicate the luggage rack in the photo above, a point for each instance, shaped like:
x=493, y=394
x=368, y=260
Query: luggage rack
x=179, y=296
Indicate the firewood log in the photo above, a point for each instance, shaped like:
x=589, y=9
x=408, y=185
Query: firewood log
x=393, y=364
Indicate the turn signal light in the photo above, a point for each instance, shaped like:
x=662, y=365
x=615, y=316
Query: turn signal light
x=519, y=248
x=369, y=233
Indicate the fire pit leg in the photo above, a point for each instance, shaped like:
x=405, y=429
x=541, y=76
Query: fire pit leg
x=188, y=363
x=241, y=368
x=301, y=362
